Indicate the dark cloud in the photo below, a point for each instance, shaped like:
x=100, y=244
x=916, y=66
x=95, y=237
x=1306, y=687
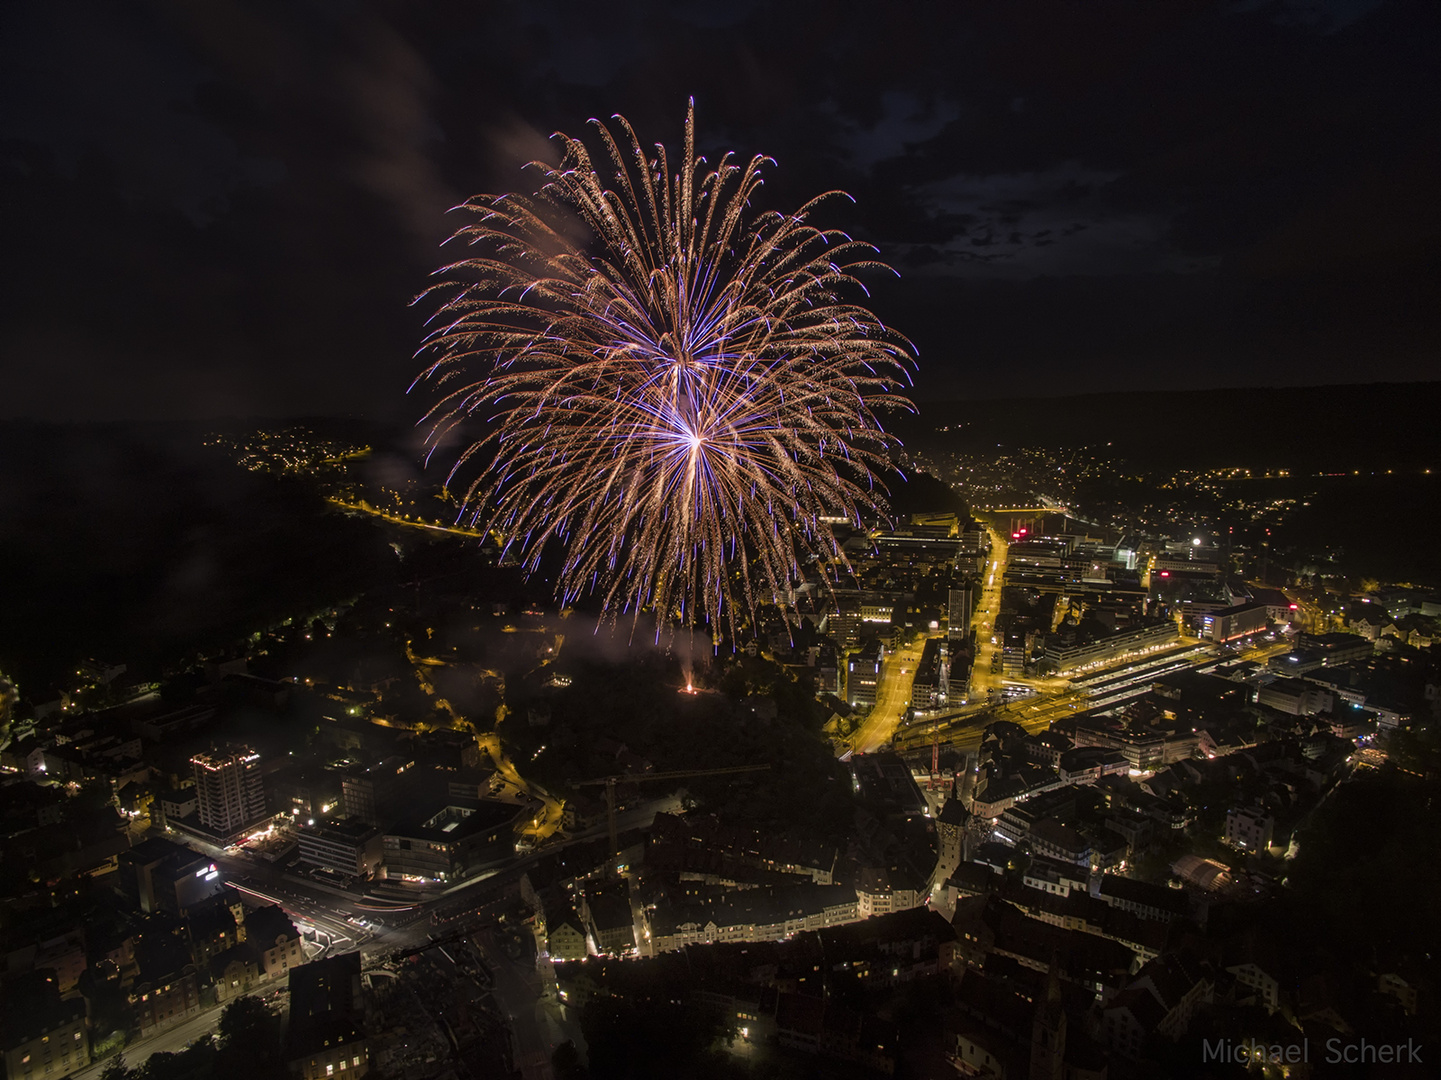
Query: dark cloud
x=227, y=207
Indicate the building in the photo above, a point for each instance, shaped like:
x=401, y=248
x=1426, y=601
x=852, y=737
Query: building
x=749, y=915
x=1062, y=657
x=374, y=795
x=564, y=933
x=447, y=839
x=1249, y=829
x=275, y=941
x=42, y=1036
x=166, y=992
x=1295, y=697
x=931, y=685
x=349, y=847
x=1143, y=899
x=881, y=891
x=171, y=806
x=326, y=1036
x=229, y=795
x=952, y=825
x=960, y=602
x=158, y=875
x=1231, y=623
x=1335, y=648
x=1055, y=876
x=607, y=912
x=863, y=675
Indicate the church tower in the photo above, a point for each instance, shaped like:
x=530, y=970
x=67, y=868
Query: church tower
x=1048, y=1031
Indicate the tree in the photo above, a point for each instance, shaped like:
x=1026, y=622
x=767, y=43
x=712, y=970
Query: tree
x=566, y=1063
x=249, y=1042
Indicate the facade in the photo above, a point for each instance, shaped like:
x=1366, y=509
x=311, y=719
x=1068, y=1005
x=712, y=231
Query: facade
x=373, y=795
x=275, y=939
x=879, y=893
x=43, y=1037
x=1061, y=657
x=564, y=934
x=326, y=1037
x=1231, y=623
x=347, y=847
x=755, y=915
x=158, y=875
x=1254, y=977
x=1295, y=697
x=166, y=1001
x=952, y=824
x=1056, y=877
x=174, y=805
x=234, y=973
x=932, y=684
x=863, y=675
x=449, y=839
x=607, y=912
x=228, y=790
x=1249, y=829
x=960, y=602
x=1143, y=899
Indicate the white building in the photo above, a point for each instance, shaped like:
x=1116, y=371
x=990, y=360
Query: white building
x=228, y=791
x=1249, y=829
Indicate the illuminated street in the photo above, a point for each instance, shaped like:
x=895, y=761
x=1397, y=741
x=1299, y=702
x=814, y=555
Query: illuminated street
x=893, y=695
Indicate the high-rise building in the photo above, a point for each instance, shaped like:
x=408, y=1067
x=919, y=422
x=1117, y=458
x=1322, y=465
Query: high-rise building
x=229, y=793
x=960, y=602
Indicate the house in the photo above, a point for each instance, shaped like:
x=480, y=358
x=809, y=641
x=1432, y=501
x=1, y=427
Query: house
x=235, y=972
x=166, y=990
x=1179, y=986
x=1249, y=828
x=891, y=948
x=276, y=941
x=564, y=933
x=1128, y=1020
x=830, y=1029
x=1055, y=876
x=326, y=1036
x=880, y=891
x=607, y=912
x=42, y=1036
x=985, y=1054
x=1143, y=899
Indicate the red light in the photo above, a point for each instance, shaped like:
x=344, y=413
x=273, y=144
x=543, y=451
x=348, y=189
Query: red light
x=1015, y=536
x=1165, y=573
x=1293, y=607
x=1023, y=532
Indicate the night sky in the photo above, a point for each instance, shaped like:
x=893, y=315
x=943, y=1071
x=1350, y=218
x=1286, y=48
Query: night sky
x=224, y=208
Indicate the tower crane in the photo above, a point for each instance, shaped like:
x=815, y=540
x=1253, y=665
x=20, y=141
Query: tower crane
x=610, y=783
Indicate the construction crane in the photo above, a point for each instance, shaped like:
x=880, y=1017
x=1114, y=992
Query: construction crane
x=610, y=783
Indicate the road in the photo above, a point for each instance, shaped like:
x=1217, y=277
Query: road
x=170, y=1041
x=893, y=695
x=984, y=621
x=539, y=1023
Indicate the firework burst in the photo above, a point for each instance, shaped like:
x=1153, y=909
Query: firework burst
x=673, y=385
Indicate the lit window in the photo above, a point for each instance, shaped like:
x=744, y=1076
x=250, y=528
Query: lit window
x=330, y=1070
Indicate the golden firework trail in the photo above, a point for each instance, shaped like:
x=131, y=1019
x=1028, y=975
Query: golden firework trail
x=673, y=384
